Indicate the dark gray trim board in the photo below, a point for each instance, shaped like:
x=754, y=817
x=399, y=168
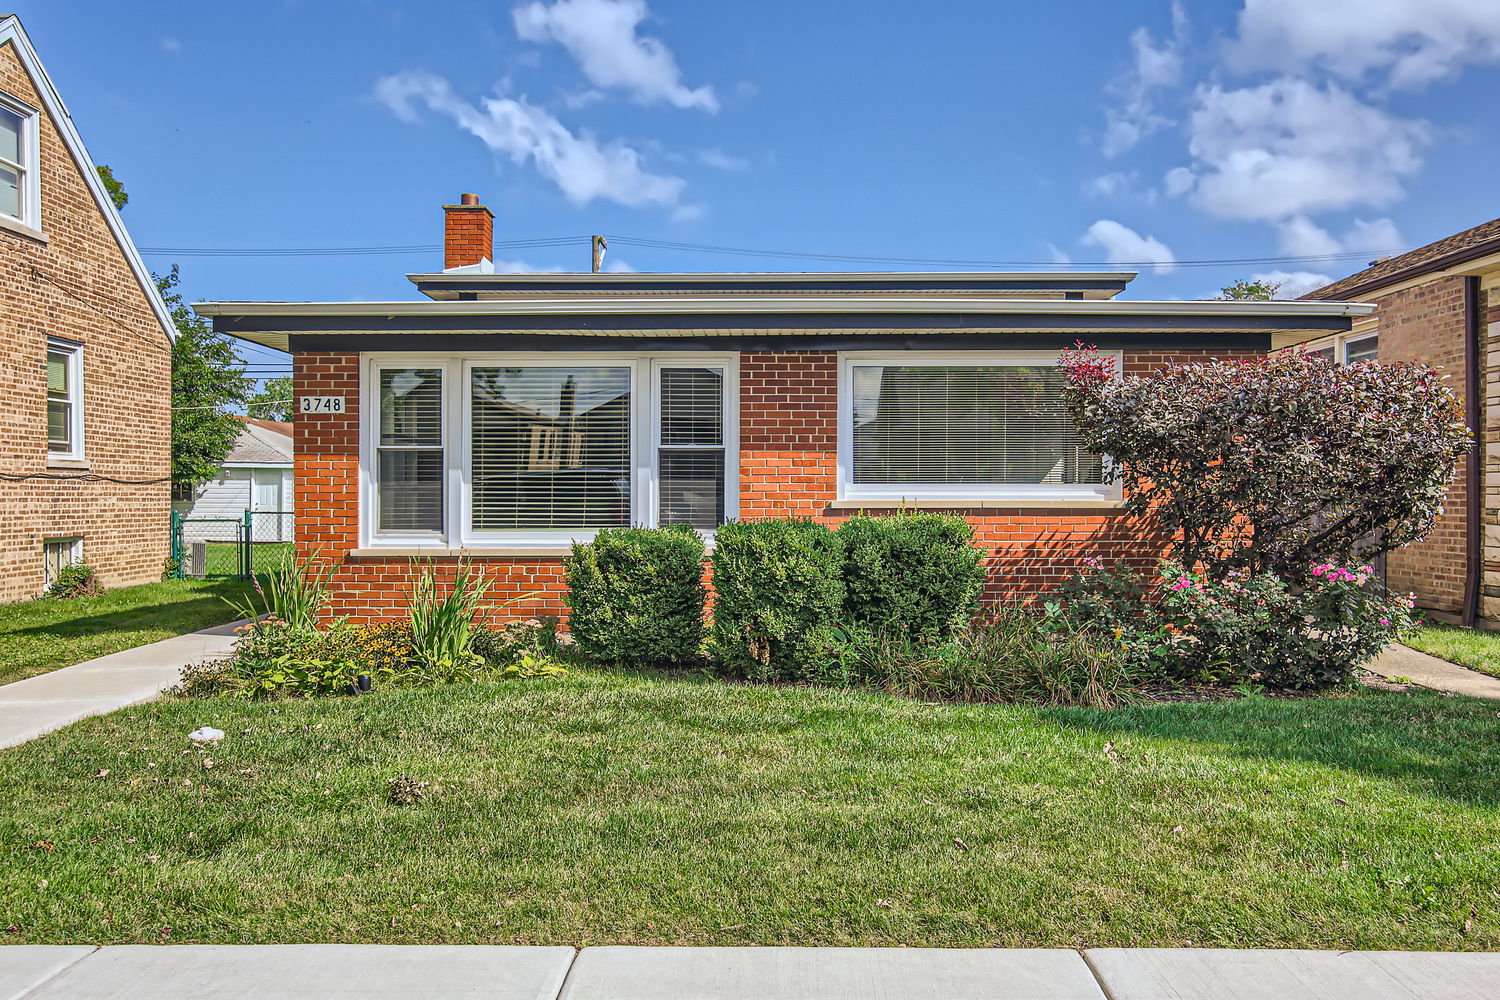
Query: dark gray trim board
x=459, y=342
x=721, y=324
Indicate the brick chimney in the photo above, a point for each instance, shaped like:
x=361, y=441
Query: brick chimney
x=468, y=232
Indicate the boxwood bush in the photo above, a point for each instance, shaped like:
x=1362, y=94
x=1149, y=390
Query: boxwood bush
x=637, y=595
x=779, y=590
x=911, y=576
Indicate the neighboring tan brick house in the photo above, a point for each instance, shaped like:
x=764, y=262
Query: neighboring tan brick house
x=85, y=355
x=1440, y=305
x=509, y=414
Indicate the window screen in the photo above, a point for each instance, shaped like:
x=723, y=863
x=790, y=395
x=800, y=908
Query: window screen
x=971, y=424
x=409, y=476
x=690, y=458
x=1364, y=349
x=550, y=448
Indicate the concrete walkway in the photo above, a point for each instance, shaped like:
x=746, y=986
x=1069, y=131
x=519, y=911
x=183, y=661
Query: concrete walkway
x=1430, y=672
x=50, y=701
x=292, y=972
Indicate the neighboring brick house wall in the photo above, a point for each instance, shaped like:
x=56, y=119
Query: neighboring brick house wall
x=1425, y=323
x=78, y=285
x=788, y=446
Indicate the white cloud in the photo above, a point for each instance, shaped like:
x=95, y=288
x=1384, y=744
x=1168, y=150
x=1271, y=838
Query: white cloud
x=1110, y=185
x=1058, y=256
x=1301, y=237
x=601, y=35
x=1289, y=147
x=720, y=160
x=1124, y=245
x=582, y=167
x=1153, y=67
x=171, y=45
x=618, y=266
x=1410, y=44
x=1293, y=283
x=521, y=267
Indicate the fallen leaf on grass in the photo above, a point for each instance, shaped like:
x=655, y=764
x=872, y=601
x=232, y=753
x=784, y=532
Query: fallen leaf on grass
x=45, y=845
x=884, y=904
x=103, y=773
x=959, y=843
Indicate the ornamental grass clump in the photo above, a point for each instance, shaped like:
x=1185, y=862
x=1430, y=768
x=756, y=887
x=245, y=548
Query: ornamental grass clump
x=442, y=617
x=296, y=591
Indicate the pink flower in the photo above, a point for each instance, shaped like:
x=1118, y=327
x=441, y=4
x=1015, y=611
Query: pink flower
x=1182, y=584
x=1385, y=621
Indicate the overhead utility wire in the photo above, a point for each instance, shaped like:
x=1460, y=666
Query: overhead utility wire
x=557, y=241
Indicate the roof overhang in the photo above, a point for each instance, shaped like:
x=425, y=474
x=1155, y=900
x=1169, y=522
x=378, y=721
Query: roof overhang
x=464, y=283
x=612, y=320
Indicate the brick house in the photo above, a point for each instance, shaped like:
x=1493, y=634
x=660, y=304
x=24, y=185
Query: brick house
x=508, y=414
x=1440, y=304
x=85, y=355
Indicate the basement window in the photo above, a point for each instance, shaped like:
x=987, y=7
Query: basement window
x=57, y=555
x=934, y=426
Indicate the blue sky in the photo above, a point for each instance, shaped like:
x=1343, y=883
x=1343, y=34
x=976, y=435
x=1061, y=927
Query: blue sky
x=1306, y=137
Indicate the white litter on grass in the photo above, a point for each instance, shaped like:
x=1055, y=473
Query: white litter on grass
x=207, y=734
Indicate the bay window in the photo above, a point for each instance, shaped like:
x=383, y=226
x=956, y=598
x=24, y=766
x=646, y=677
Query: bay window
x=946, y=426
x=536, y=450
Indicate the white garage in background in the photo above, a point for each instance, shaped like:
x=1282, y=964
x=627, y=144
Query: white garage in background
x=257, y=476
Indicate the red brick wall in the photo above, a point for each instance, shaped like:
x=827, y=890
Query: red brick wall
x=788, y=442
x=78, y=286
x=1426, y=323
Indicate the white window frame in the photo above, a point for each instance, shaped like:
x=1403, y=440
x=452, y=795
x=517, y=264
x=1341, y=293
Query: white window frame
x=30, y=167
x=1339, y=344
x=645, y=413
x=74, y=353
x=1021, y=494
x=74, y=544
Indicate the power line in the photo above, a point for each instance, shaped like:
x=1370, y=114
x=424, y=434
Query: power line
x=422, y=248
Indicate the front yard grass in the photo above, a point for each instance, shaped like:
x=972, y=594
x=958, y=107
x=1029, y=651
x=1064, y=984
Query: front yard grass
x=1476, y=649
x=38, y=636
x=638, y=809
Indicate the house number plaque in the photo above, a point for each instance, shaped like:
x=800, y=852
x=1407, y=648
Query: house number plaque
x=321, y=404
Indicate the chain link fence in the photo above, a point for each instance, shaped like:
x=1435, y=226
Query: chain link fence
x=219, y=547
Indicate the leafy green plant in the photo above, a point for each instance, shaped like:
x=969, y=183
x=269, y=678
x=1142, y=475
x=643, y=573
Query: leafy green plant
x=779, y=590
x=637, y=596
x=914, y=575
x=274, y=659
x=442, y=619
x=75, y=580
x=296, y=591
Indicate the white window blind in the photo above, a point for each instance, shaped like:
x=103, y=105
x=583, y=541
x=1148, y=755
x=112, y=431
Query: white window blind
x=690, y=455
x=550, y=448
x=989, y=425
x=409, y=473
x=60, y=402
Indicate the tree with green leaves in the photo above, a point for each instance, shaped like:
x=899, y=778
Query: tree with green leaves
x=274, y=400
x=115, y=188
x=208, y=379
x=1254, y=290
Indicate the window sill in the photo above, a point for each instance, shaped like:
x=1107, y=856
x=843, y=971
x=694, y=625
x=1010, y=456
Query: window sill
x=438, y=552
x=67, y=463
x=959, y=503
x=12, y=225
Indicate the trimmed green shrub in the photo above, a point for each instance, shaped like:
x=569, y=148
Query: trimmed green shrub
x=911, y=576
x=637, y=596
x=779, y=591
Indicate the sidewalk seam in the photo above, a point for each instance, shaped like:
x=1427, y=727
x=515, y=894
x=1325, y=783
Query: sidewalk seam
x=1109, y=994
x=30, y=990
x=562, y=987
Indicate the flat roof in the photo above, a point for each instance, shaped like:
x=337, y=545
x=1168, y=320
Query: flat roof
x=699, y=318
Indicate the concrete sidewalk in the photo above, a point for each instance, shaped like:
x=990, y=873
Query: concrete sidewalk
x=50, y=701
x=292, y=972
x=1431, y=672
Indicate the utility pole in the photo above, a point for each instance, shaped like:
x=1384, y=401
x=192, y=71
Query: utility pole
x=599, y=246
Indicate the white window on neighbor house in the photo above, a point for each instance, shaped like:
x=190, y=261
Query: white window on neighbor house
x=948, y=426
x=58, y=554
x=1347, y=350
x=541, y=449
x=64, y=399
x=20, y=187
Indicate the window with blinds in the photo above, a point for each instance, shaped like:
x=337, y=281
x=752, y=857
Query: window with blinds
x=550, y=448
x=64, y=425
x=409, y=451
x=965, y=424
x=690, y=450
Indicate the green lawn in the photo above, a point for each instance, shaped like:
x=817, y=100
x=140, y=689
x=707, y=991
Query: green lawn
x=38, y=636
x=1476, y=649
x=616, y=808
